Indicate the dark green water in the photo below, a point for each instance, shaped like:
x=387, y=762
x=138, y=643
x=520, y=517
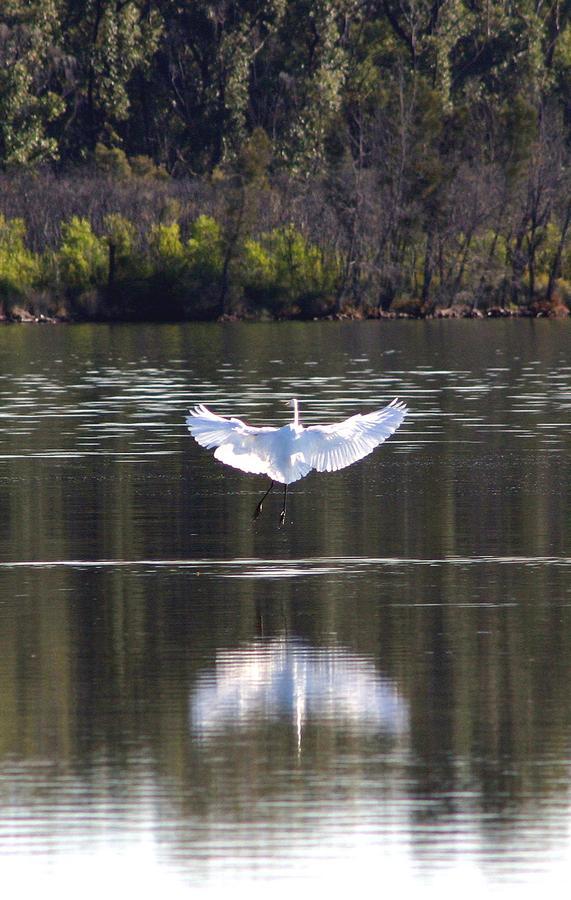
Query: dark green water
x=376, y=694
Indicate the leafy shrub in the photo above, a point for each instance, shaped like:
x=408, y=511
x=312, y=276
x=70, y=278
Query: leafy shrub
x=301, y=266
x=83, y=258
x=259, y=272
x=167, y=249
x=204, y=249
x=120, y=232
x=286, y=270
x=19, y=267
x=112, y=161
x=144, y=167
x=125, y=262
x=204, y=261
x=159, y=291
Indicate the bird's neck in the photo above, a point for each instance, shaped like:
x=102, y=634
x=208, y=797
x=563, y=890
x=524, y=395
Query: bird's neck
x=295, y=413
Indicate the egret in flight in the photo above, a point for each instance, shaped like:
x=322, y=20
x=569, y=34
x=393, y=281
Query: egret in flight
x=289, y=453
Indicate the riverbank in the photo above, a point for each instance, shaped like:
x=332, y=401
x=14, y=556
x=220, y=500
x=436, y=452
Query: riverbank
x=95, y=247
x=24, y=315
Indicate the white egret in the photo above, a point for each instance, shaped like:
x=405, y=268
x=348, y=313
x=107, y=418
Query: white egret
x=289, y=453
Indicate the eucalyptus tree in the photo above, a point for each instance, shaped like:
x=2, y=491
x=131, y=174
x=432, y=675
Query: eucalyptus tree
x=201, y=77
x=30, y=61
x=107, y=42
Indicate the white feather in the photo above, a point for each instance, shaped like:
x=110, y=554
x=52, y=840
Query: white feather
x=331, y=447
x=289, y=453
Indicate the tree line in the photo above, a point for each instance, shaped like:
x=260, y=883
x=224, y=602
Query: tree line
x=288, y=157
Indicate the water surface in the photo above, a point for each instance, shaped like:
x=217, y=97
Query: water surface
x=375, y=694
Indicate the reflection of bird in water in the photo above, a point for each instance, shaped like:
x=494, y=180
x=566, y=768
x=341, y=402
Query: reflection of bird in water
x=291, y=680
x=289, y=453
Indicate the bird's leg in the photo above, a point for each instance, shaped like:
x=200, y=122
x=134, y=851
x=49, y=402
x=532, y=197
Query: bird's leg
x=258, y=508
x=283, y=512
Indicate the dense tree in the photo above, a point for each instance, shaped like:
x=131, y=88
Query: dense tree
x=108, y=43
x=422, y=146
x=29, y=65
x=200, y=78
x=187, y=82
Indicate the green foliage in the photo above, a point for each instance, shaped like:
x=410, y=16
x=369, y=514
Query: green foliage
x=160, y=274
x=111, y=45
x=563, y=291
x=112, y=161
x=28, y=105
x=259, y=271
x=125, y=264
x=301, y=266
x=254, y=157
x=185, y=83
x=19, y=268
x=420, y=151
x=284, y=269
x=205, y=250
x=143, y=167
x=121, y=233
x=518, y=119
x=562, y=52
x=83, y=257
x=167, y=250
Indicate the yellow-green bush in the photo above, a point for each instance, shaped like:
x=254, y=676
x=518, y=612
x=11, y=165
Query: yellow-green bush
x=166, y=247
x=120, y=235
x=19, y=267
x=204, y=249
x=120, y=232
x=259, y=269
x=159, y=289
x=300, y=266
x=291, y=269
x=83, y=257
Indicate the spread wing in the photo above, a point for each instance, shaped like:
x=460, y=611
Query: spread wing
x=331, y=447
x=242, y=446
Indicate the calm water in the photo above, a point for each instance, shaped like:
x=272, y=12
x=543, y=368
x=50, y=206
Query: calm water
x=376, y=696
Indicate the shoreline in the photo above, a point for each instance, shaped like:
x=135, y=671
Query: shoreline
x=538, y=310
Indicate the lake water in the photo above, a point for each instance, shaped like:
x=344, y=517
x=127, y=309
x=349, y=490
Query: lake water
x=374, y=697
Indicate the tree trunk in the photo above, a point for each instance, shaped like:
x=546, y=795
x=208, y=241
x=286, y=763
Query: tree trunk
x=428, y=270
x=112, y=261
x=233, y=236
x=556, y=264
x=518, y=263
